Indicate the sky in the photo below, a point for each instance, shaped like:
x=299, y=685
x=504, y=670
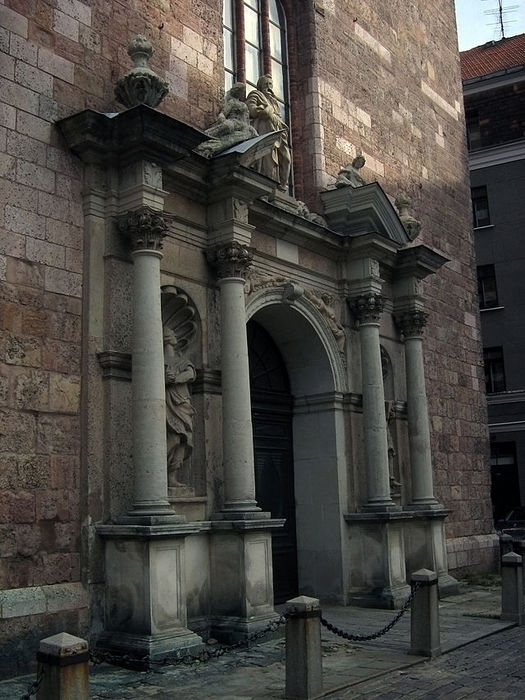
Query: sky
x=476, y=27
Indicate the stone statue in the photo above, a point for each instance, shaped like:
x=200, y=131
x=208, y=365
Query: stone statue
x=390, y=413
x=266, y=117
x=349, y=175
x=179, y=372
x=232, y=125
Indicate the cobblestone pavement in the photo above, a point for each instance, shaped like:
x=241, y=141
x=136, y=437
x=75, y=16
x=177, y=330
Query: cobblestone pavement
x=485, y=662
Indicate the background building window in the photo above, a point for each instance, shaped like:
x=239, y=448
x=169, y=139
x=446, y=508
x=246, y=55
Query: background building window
x=487, y=289
x=494, y=370
x=505, y=487
x=473, y=130
x=480, y=206
x=254, y=33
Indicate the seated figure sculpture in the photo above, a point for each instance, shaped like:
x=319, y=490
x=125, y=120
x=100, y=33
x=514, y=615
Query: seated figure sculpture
x=232, y=125
x=266, y=117
x=349, y=175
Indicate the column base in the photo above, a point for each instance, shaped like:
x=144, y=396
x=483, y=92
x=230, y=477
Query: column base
x=425, y=504
x=241, y=507
x=148, y=513
x=145, y=651
x=229, y=629
x=381, y=507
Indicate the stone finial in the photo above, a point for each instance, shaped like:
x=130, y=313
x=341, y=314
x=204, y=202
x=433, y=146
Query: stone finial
x=412, y=226
x=349, y=175
x=141, y=85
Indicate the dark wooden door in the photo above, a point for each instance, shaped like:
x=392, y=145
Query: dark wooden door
x=272, y=431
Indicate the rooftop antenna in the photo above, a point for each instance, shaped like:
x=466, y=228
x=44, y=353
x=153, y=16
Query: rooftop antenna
x=499, y=12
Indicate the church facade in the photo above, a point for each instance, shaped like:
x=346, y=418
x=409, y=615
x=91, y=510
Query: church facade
x=240, y=346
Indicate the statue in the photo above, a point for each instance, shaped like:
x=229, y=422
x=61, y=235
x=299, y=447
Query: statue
x=390, y=413
x=411, y=225
x=266, y=117
x=232, y=125
x=349, y=175
x=179, y=372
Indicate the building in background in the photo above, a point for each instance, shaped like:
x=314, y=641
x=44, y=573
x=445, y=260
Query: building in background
x=494, y=94
x=213, y=360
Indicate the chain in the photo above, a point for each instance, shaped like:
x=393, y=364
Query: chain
x=368, y=637
x=205, y=654
x=34, y=686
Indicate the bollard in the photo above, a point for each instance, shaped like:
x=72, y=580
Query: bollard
x=63, y=668
x=424, y=620
x=304, y=671
x=512, y=588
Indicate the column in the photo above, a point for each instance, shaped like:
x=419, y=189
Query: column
x=368, y=308
x=145, y=228
x=231, y=262
x=412, y=324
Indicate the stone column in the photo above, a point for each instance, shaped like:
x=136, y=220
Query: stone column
x=231, y=262
x=368, y=308
x=145, y=228
x=412, y=324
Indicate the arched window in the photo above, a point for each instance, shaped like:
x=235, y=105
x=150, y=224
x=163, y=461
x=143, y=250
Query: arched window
x=255, y=44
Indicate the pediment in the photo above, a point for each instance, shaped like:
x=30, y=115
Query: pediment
x=357, y=211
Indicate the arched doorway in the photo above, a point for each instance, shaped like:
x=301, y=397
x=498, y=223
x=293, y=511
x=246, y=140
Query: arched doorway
x=272, y=416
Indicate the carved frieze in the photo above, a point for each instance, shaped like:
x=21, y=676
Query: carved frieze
x=144, y=227
x=367, y=307
x=230, y=260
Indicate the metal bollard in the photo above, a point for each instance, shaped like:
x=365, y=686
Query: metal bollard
x=304, y=671
x=512, y=588
x=63, y=668
x=424, y=620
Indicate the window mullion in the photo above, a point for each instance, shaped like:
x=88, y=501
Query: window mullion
x=265, y=36
x=240, y=76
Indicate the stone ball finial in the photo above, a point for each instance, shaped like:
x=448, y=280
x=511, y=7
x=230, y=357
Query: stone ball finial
x=140, y=85
x=412, y=226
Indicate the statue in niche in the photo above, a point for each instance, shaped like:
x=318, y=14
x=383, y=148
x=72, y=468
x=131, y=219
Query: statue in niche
x=179, y=372
x=266, y=117
x=349, y=176
x=390, y=412
x=232, y=125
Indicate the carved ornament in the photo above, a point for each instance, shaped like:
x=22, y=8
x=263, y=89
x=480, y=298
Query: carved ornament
x=145, y=228
x=412, y=323
x=323, y=302
x=230, y=260
x=141, y=85
x=368, y=307
x=412, y=226
x=257, y=281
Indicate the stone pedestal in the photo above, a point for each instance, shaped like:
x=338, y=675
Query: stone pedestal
x=424, y=619
x=145, y=606
x=377, y=553
x=304, y=668
x=241, y=577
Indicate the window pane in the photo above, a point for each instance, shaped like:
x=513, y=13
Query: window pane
x=278, y=80
x=227, y=13
x=228, y=80
x=487, y=288
x=252, y=3
x=480, y=207
x=228, y=49
x=251, y=26
x=252, y=64
x=494, y=370
x=275, y=42
x=274, y=13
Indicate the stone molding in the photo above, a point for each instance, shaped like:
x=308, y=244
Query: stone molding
x=368, y=307
x=412, y=323
x=230, y=260
x=144, y=227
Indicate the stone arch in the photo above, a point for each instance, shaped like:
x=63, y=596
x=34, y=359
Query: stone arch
x=318, y=381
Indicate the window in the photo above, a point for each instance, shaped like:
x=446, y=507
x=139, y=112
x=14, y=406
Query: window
x=480, y=206
x=254, y=33
x=494, y=370
x=487, y=290
x=473, y=130
x=505, y=487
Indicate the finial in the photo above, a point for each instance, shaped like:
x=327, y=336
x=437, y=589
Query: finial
x=412, y=226
x=140, y=85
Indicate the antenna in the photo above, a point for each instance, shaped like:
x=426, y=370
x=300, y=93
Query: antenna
x=501, y=20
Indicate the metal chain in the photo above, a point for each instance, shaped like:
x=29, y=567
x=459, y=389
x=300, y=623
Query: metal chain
x=368, y=637
x=205, y=654
x=34, y=686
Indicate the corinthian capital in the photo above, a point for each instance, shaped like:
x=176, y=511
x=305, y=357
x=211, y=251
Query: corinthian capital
x=412, y=323
x=144, y=227
x=367, y=307
x=230, y=260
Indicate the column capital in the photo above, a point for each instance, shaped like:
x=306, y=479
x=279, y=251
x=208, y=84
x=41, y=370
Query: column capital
x=230, y=260
x=412, y=322
x=367, y=307
x=144, y=227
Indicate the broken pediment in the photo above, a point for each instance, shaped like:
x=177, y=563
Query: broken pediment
x=356, y=211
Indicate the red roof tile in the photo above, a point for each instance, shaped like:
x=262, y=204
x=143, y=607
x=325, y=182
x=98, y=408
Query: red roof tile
x=492, y=57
